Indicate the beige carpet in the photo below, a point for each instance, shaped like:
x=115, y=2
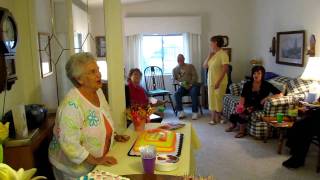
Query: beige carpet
x=228, y=158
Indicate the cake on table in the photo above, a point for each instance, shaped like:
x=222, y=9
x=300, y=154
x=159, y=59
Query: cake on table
x=163, y=140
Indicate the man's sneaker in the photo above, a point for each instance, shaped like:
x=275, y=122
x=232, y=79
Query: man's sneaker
x=181, y=115
x=212, y=122
x=194, y=116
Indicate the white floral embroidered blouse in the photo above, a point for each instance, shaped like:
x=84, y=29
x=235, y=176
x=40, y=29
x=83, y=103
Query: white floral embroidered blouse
x=79, y=131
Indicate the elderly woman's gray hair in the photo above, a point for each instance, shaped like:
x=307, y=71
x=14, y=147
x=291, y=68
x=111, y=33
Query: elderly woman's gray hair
x=74, y=66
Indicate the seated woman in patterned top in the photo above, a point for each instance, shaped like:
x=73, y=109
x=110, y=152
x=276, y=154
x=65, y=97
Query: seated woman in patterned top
x=254, y=94
x=84, y=130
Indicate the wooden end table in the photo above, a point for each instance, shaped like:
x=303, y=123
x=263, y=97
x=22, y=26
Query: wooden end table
x=281, y=127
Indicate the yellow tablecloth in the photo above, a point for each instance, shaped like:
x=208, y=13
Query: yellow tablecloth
x=132, y=165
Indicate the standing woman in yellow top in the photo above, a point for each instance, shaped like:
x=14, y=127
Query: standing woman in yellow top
x=217, y=64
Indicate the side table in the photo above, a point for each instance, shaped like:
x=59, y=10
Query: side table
x=32, y=153
x=281, y=127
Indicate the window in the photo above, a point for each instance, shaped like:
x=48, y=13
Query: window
x=162, y=51
x=103, y=69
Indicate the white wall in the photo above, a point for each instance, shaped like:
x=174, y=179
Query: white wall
x=48, y=84
x=162, y=25
x=231, y=17
x=26, y=88
x=61, y=11
x=80, y=25
x=97, y=20
x=274, y=16
x=97, y=29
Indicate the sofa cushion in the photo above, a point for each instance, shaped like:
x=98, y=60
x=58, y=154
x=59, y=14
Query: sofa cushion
x=281, y=79
x=299, y=86
x=229, y=105
x=281, y=86
x=270, y=75
x=236, y=88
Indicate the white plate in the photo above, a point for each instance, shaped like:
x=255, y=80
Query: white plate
x=166, y=164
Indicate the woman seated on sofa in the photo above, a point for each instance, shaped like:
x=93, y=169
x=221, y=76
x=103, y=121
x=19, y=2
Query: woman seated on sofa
x=137, y=95
x=253, y=96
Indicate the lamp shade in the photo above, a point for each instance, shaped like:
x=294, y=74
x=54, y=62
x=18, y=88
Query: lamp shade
x=312, y=70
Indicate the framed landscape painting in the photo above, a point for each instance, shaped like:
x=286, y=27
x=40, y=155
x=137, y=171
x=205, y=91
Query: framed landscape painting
x=290, y=48
x=101, y=46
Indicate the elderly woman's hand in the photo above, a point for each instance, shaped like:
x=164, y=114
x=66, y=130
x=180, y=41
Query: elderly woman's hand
x=104, y=160
x=121, y=138
x=108, y=161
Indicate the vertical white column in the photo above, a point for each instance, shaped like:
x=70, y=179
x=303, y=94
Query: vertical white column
x=114, y=40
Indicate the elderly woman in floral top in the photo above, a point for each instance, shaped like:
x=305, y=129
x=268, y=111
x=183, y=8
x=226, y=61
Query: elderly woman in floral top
x=83, y=131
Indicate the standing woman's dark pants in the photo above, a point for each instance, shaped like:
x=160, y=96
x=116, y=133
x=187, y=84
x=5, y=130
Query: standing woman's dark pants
x=237, y=118
x=300, y=137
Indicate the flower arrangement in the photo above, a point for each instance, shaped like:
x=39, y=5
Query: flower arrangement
x=255, y=62
x=139, y=115
x=6, y=172
x=4, y=132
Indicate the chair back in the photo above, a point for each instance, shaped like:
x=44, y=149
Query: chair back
x=153, y=77
x=229, y=78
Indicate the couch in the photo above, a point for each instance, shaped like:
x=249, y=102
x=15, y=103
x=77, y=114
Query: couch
x=294, y=90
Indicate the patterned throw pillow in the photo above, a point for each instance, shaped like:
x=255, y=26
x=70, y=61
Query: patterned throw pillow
x=299, y=86
x=281, y=79
x=236, y=88
x=281, y=86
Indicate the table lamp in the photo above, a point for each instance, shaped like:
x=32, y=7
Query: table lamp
x=312, y=72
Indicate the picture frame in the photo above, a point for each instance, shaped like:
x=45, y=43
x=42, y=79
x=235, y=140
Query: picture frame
x=229, y=52
x=78, y=42
x=291, y=48
x=101, y=46
x=46, y=68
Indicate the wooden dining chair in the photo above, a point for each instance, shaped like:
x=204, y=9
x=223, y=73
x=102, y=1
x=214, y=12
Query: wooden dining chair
x=155, y=86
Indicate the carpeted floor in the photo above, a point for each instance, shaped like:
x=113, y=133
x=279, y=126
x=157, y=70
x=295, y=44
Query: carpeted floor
x=228, y=158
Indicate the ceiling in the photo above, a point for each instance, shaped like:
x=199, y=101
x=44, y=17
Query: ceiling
x=99, y=2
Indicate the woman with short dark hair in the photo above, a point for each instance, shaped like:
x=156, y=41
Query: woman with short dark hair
x=217, y=64
x=253, y=97
x=137, y=94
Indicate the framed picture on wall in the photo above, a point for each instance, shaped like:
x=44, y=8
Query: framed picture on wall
x=228, y=51
x=101, y=46
x=78, y=42
x=45, y=54
x=290, y=48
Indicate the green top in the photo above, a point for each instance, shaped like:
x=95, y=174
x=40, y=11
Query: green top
x=185, y=73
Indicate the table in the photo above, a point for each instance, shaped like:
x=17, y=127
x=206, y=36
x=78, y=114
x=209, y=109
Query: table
x=132, y=165
x=32, y=153
x=282, y=127
x=153, y=177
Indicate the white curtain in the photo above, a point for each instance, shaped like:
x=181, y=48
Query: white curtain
x=192, y=47
x=133, y=52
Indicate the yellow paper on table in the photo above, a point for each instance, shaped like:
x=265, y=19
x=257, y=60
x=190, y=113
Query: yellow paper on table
x=132, y=165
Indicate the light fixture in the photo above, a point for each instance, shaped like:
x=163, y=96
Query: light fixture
x=312, y=72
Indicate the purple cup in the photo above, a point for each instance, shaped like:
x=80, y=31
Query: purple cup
x=149, y=165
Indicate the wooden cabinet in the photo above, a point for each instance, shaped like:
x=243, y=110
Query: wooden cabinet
x=33, y=153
